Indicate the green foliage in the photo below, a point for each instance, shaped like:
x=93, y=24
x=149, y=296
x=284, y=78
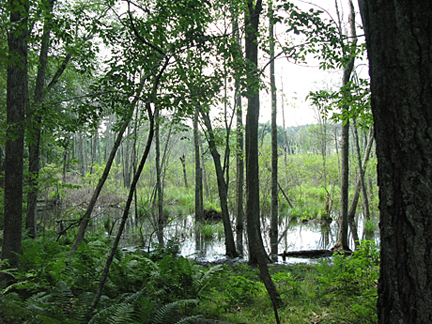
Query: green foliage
x=353, y=279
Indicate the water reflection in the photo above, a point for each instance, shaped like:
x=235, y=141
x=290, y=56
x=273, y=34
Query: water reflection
x=295, y=235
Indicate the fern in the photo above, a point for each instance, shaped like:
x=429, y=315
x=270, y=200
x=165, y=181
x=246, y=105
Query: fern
x=166, y=313
x=205, y=280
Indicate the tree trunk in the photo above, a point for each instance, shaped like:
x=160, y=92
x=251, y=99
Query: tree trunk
x=204, y=173
x=34, y=117
x=125, y=212
x=257, y=253
x=399, y=38
x=353, y=208
x=183, y=162
x=86, y=218
x=199, y=208
x=17, y=103
x=222, y=189
x=343, y=230
x=160, y=226
x=239, y=173
x=274, y=148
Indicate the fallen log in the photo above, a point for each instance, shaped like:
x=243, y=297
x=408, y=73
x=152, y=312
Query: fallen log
x=311, y=253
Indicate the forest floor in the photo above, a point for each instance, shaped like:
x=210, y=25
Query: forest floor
x=343, y=290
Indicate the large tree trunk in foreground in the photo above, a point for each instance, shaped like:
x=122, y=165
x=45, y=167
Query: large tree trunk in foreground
x=399, y=38
x=17, y=103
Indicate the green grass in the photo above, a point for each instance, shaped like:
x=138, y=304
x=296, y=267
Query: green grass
x=340, y=292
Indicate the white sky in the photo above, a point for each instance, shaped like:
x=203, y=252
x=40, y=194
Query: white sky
x=298, y=80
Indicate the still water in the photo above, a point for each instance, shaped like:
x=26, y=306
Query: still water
x=294, y=235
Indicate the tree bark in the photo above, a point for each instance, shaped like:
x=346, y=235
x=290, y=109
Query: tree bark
x=183, y=162
x=274, y=148
x=222, y=188
x=399, y=38
x=257, y=253
x=17, y=102
x=199, y=207
x=239, y=173
x=34, y=118
x=354, y=203
x=160, y=226
x=343, y=230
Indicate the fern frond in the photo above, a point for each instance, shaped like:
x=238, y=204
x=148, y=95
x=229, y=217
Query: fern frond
x=205, y=280
x=166, y=313
x=117, y=313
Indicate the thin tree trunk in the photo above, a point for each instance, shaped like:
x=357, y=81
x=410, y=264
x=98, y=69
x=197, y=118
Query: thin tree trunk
x=257, y=254
x=183, y=162
x=362, y=168
x=204, y=173
x=199, y=208
x=239, y=139
x=222, y=189
x=283, y=125
x=86, y=218
x=343, y=232
x=34, y=116
x=274, y=145
x=125, y=212
x=159, y=191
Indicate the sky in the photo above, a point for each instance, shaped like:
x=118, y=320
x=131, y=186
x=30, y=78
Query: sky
x=298, y=80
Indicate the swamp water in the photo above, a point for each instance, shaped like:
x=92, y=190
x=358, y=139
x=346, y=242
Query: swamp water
x=294, y=235
x=205, y=242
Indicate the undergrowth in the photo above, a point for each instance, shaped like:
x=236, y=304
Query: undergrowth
x=52, y=285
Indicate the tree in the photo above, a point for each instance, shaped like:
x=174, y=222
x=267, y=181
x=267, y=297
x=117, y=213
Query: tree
x=17, y=104
x=257, y=253
x=34, y=116
x=274, y=145
x=199, y=204
x=222, y=186
x=342, y=242
x=398, y=38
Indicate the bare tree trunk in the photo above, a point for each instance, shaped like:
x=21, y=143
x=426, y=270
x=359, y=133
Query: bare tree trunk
x=159, y=191
x=274, y=148
x=257, y=254
x=183, y=162
x=199, y=208
x=343, y=232
x=34, y=116
x=222, y=189
x=283, y=125
x=127, y=165
x=399, y=38
x=86, y=218
x=17, y=103
x=240, y=145
x=204, y=173
x=362, y=168
x=125, y=212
